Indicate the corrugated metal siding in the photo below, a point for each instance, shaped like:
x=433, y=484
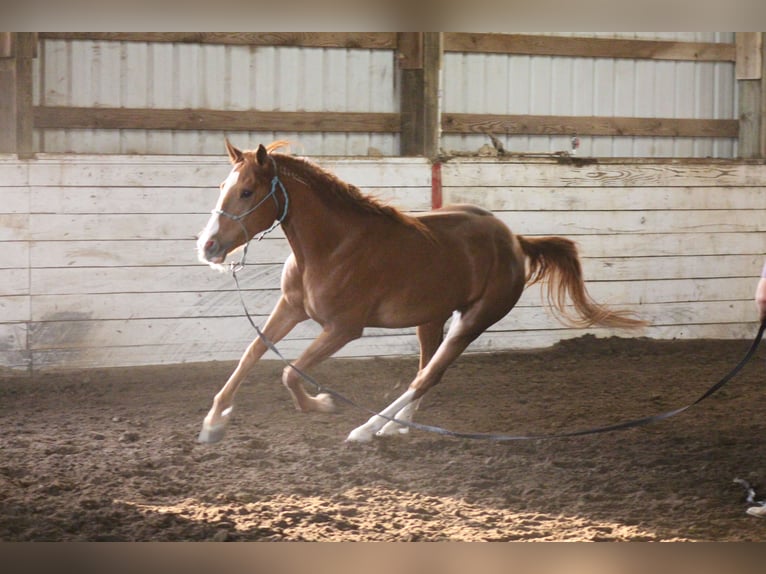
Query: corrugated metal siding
x=159, y=75
x=155, y=75
x=512, y=84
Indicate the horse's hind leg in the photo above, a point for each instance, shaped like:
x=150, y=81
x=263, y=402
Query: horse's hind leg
x=463, y=330
x=430, y=337
x=281, y=321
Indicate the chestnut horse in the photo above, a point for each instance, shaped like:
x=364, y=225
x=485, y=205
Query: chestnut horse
x=357, y=263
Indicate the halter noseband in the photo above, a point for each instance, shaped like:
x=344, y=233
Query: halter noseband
x=275, y=181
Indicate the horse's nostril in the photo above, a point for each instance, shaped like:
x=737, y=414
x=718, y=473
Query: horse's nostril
x=210, y=244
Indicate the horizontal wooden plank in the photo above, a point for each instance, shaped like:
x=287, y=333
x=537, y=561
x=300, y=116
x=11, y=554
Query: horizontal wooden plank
x=671, y=244
x=64, y=281
x=350, y=40
x=13, y=337
x=590, y=222
x=169, y=353
x=14, y=281
x=171, y=200
x=14, y=200
x=13, y=172
x=48, y=227
x=538, y=45
x=116, y=226
x=15, y=362
x=61, y=117
x=364, y=348
x=15, y=308
x=462, y=172
x=208, y=171
x=142, y=253
x=506, y=340
x=102, y=253
x=14, y=227
x=226, y=303
x=85, y=334
x=642, y=268
x=151, y=305
x=149, y=199
x=13, y=254
x=463, y=123
x=273, y=250
x=148, y=253
x=515, y=198
x=661, y=290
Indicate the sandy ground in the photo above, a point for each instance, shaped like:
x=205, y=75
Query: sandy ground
x=112, y=454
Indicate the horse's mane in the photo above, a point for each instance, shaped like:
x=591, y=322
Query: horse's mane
x=331, y=186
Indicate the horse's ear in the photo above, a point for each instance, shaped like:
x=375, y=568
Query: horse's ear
x=261, y=155
x=235, y=155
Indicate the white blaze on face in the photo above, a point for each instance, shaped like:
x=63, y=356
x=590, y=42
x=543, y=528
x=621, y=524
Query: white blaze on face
x=211, y=229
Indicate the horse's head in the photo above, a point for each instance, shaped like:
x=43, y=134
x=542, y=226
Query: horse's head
x=248, y=204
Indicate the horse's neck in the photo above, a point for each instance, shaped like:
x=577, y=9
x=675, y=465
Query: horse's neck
x=316, y=227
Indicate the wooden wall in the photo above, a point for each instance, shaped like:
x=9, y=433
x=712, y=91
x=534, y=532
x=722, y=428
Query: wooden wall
x=98, y=261
x=98, y=264
x=681, y=243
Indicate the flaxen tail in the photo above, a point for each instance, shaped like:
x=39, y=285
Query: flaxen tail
x=556, y=259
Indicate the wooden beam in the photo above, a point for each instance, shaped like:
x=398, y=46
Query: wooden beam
x=7, y=105
x=409, y=53
x=420, y=59
x=411, y=92
x=6, y=44
x=26, y=51
x=587, y=126
x=751, y=94
x=16, y=134
x=749, y=46
x=433, y=52
x=52, y=117
x=362, y=40
x=534, y=45
x=762, y=145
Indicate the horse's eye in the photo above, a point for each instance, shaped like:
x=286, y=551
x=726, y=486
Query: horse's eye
x=245, y=193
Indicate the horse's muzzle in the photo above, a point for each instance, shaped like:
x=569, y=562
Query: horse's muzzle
x=210, y=251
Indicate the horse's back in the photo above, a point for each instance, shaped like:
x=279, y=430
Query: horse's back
x=464, y=208
x=467, y=218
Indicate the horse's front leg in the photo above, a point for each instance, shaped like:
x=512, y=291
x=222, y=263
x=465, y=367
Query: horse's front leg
x=281, y=321
x=331, y=340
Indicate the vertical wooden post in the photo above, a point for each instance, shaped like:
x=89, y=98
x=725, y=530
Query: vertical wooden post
x=752, y=93
x=763, y=97
x=420, y=58
x=17, y=51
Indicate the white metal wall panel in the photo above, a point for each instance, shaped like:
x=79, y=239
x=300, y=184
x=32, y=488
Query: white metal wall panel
x=164, y=75
x=172, y=76
x=543, y=85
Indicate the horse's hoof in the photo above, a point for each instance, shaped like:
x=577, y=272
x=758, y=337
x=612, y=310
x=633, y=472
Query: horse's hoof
x=211, y=434
x=359, y=434
x=392, y=429
x=759, y=511
x=324, y=403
